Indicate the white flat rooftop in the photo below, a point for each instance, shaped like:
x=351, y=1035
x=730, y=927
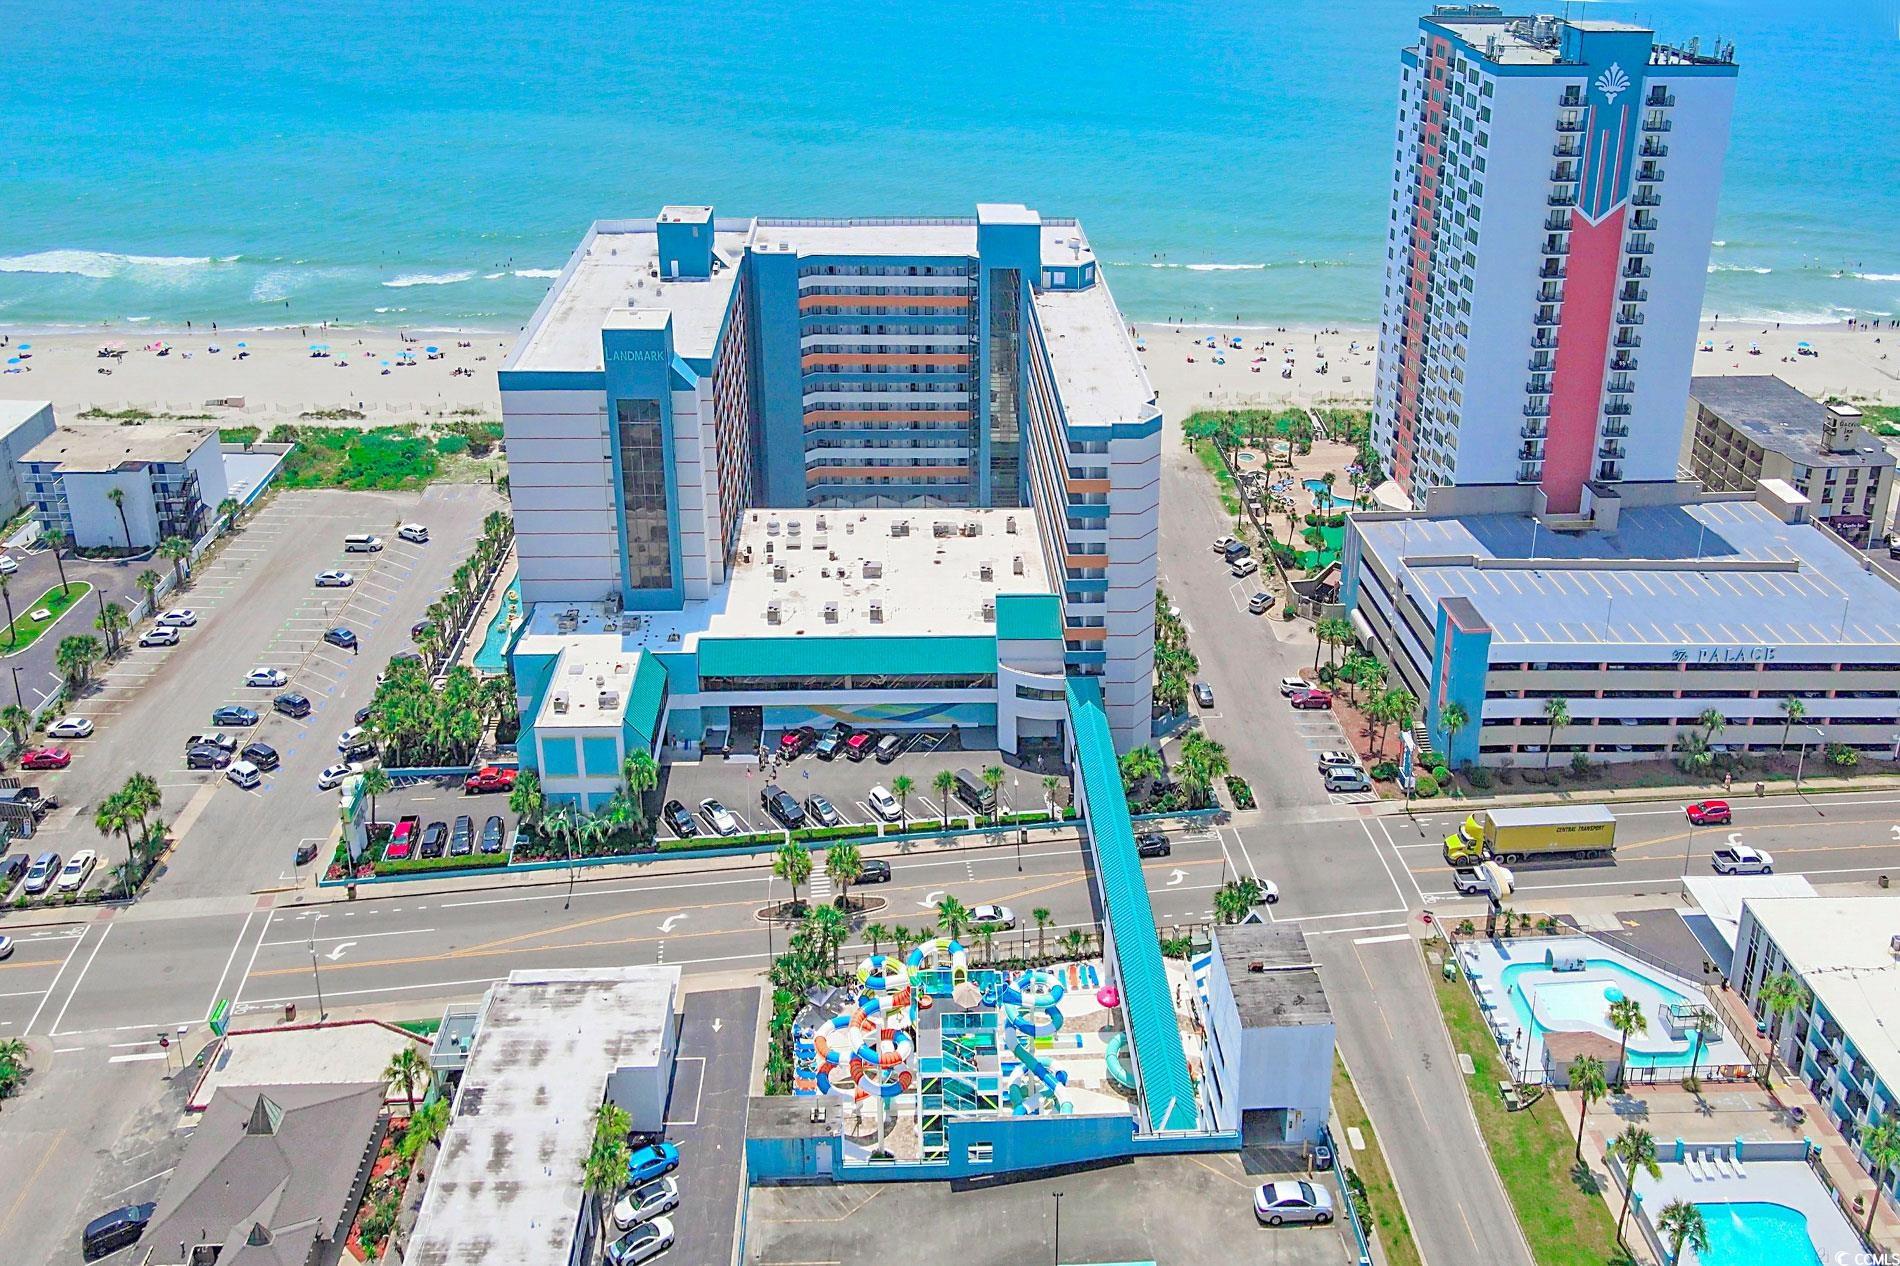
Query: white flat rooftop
x=335, y=1053
x=926, y=584
x=14, y=412
x=506, y=1190
x=593, y=679
x=618, y=266
x=1062, y=243
x=1098, y=375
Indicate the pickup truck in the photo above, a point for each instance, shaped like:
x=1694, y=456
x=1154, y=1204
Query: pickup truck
x=402, y=841
x=217, y=738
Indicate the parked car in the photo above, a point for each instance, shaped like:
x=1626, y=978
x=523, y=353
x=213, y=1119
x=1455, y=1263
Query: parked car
x=110, y=1232
x=795, y=742
x=1203, y=694
x=782, y=805
x=45, y=758
x=875, y=870
x=822, y=811
x=205, y=756
x=679, y=819
x=890, y=747
x=646, y=1202
x=40, y=875
x=14, y=866
x=178, y=618
x=1739, y=859
x=350, y=738
x=859, y=745
x=234, y=714
x=1290, y=686
x=656, y=1160
x=244, y=774
x=78, y=866
x=1295, y=1200
x=333, y=775
x=417, y=629
x=341, y=637
x=8, y=565
x=1341, y=779
x=1152, y=844
x=1243, y=568
x=1332, y=760
x=70, y=728
x=362, y=715
x=644, y=1243
x=414, y=533
x=718, y=817
x=6, y=947
x=215, y=738
x=402, y=841
x=362, y=543
x=462, y=836
x=992, y=918
x=1309, y=699
x=1468, y=880
x=435, y=839
x=884, y=804
x=269, y=678
x=291, y=704
x=163, y=635
x=494, y=834
x=832, y=741
x=1259, y=604
x=1224, y=543
x=262, y=755
x=1702, y=812
x=335, y=579
x=489, y=778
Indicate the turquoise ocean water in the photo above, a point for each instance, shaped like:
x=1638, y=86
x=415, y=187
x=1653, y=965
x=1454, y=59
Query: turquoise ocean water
x=431, y=164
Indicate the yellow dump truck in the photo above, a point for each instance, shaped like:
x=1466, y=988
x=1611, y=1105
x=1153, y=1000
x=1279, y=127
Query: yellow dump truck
x=1512, y=835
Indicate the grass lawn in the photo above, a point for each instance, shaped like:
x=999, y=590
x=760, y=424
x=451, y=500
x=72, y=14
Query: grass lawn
x=27, y=631
x=383, y=459
x=421, y=1028
x=1563, y=1217
x=1223, y=478
x=1389, y=1226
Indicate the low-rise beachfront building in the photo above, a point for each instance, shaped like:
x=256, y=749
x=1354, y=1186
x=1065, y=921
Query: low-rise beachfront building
x=1845, y=952
x=1270, y=1033
x=23, y=423
x=1744, y=428
x=1657, y=605
x=167, y=481
x=686, y=372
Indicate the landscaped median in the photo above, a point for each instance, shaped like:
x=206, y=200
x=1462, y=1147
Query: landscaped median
x=1557, y=1203
x=56, y=602
x=1369, y=1178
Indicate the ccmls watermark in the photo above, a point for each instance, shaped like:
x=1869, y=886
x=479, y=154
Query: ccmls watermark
x=1862, y=1257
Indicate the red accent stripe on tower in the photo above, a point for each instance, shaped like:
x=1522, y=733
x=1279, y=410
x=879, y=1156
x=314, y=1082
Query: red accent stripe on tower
x=1583, y=343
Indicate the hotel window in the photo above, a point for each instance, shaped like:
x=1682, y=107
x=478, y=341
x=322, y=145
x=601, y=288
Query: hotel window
x=643, y=495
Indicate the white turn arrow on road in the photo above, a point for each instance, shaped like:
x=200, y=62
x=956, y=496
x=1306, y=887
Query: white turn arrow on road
x=1175, y=877
x=931, y=899
x=671, y=919
x=717, y=1024
x=336, y=952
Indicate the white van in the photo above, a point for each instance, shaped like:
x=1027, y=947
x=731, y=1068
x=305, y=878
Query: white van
x=244, y=774
x=1343, y=778
x=362, y=543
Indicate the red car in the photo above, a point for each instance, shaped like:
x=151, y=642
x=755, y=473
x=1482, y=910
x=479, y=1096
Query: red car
x=489, y=778
x=45, y=758
x=794, y=743
x=1312, y=699
x=860, y=745
x=1709, y=813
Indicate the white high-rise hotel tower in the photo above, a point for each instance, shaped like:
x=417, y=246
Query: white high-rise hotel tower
x=1553, y=199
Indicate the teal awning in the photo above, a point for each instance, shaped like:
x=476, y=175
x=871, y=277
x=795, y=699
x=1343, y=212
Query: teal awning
x=1028, y=617
x=838, y=656
x=647, y=697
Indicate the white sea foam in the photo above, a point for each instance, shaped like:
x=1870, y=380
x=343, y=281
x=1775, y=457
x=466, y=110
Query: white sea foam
x=492, y=276
x=1246, y=268
x=1878, y=276
x=386, y=311
x=1739, y=268
x=96, y=264
x=429, y=279
x=537, y=272
x=1718, y=242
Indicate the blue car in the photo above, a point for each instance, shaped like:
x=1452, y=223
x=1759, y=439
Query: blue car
x=232, y=714
x=340, y=636
x=652, y=1162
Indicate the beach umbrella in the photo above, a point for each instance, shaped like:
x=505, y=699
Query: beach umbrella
x=13, y=360
x=431, y=350
x=1804, y=343
x=26, y=347
x=243, y=344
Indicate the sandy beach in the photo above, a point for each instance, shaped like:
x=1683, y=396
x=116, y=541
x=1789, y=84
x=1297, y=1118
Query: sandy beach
x=279, y=379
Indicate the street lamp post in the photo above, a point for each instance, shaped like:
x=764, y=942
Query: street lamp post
x=1801, y=763
x=1058, y=1244
x=315, y=974
x=1689, y=847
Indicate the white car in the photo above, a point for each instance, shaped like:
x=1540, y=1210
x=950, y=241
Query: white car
x=414, y=532
x=883, y=803
x=179, y=618
x=70, y=728
x=1224, y=543
x=1337, y=760
x=1290, y=686
x=7, y=565
x=163, y=635
x=646, y=1202
x=644, y=1243
x=6, y=947
x=1269, y=891
x=333, y=775
x=270, y=678
x=1739, y=859
x=1292, y=1201
x=993, y=918
x=351, y=737
x=245, y=774
x=78, y=866
x=335, y=579
x=718, y=817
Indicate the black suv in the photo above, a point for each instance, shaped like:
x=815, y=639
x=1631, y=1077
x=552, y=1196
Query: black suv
x=679, y=819
x=262, y=755
x=291, y=705
x=1152, y=844
x=435, y=837
x=782, y=805
x=833, y=741
x=876, y=871
x=462, y=838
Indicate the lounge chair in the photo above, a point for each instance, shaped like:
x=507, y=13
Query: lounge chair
x=1722, y=1164
x=1689, y=1163
x=1740, y=1172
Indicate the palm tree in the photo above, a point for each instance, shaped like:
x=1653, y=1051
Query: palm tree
x=901, y=787
x=1626, y=1017
x=1453, y=718
x=1793, y=711
x=830, y=926
x=142, y=796
x=1782, y=994
x=1586, y=1078
x=1203, y=763
x=56, y=541
x=114, y=814
x=1680, y=1223
x=993, y=779
x=1073, y=942
x=1636, y=1148
x=526, y=801
x=953, y=916
x=405, y=1068
x=177, y=549
x=641, y=773
x=425, y=1127
x=117, y=497
x=1234, y=899
x=1051, y=791
x=6, y=594
x=377, y=782
x=1556, y=713
x=986, y=937
x=1140, y=765
x=1712, y=722
x=876, y=934
x=111, y=621
x=149, y=581
x=604, y=1169
x=792, y=863
x=13, y=1065
x=16, y=721
x=844, y=864
x=228, y=510
x=1044, y=920
x=75, y=657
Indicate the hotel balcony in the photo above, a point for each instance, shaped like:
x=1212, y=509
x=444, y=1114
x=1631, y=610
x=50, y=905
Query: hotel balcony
x=1635, y=268
x=1563, y=172
x=1537, y=409
x=1629, y=318
x=1656, y=123
x=1566, y=147
x=1633, y=293
x=1650, y=199
x=1562, y=198
x=1616, y=430
x=1652, y=149
x=1627, y=338
x=1620, y=386
x=1644, y=221
x=1649, y=171
x=1544, y=317
x=1538, y=387
x=1552, y=270
x=1570, y=125
x=1557, y=222
x=1530, y=453
x=1556, y=246
x=1550, y=292
x=1660, y=97
x=1610, y=472
x=1610, y=451
x=1572, y=98
x=1528, y=473
x=1544, y=340
x=1540, y=364
x=1617, y=409
x=1641, y=248
x=1532, y=430
x=1623, y=363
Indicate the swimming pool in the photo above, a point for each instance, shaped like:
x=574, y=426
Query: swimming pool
x=1322, y=499
x=492, y=655
x=1756, y=1233
x=1583, y=1005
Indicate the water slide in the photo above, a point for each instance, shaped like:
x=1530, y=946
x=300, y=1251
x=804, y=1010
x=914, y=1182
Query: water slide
x=1051, y=1080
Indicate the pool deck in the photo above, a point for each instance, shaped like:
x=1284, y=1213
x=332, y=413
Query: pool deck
x=1784, y=1182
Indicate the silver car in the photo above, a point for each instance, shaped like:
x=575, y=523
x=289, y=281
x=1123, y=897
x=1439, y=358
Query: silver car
x=1294, y=1201
x=646, y=1202
x=644, y=1243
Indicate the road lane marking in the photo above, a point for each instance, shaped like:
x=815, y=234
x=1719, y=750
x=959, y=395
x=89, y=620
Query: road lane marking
x=217, y=987
x=303, y=941
x=83, y=932
x=138, y=1057
x=1381, y=940
x=80, y=979
x=237, y=996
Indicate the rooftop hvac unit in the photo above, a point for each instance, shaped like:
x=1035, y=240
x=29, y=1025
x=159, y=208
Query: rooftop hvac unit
x=877, y=617
x=831, y=613
x=973, y=529
x=941, y=529
x=986, y=572
x=900, y=527
x=1893, y=946
x=609, y=699
x=989, y=610
x=818, y=543
x=778, y=572
x=873, y=569
x=792, y=529
x=560, y=702
x=820, y=525
x=1017, y=565
x=772, y=610
x=771, y=527
x=1009, y=525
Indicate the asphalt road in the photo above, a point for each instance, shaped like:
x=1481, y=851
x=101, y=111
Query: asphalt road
x=32, y=668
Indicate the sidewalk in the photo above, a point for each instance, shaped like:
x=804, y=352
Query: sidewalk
x=1741, y=794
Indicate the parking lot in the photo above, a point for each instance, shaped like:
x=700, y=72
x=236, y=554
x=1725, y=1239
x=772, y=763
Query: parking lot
x=737, y=783
x=443, y=800
x=257, y=606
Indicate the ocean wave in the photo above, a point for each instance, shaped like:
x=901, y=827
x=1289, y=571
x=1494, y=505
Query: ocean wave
x=1718, y=242
x=1739, y=268
x=1242, y=268
x=429, y=279
x=96, y=264
x=1876, y=276
x=492, y=276
x=537, y=272
x=387, y=311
